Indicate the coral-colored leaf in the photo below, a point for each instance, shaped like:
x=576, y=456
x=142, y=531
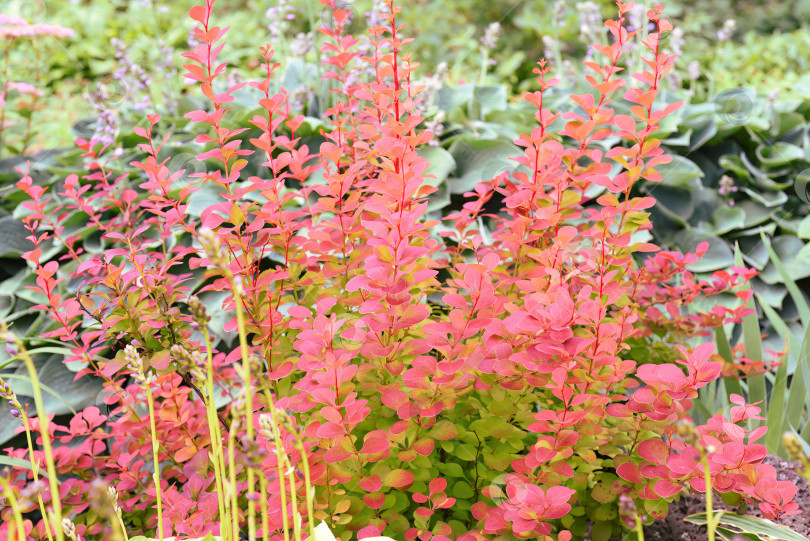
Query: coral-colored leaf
x=654, y=450
x=629, y=472
x=398, y=478
x=375, y=500
x=371, y=484
x=424, y=446
x=437, y=485
x=444, y=430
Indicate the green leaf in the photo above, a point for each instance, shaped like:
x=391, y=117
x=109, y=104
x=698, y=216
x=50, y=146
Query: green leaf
x=719, y=256
x=731, y=535
x=793, y=254
x=12, y=237
x=208, y=195
x=753, y=346
x=490, y=97
x=44, y=387
x=779, y=153
x=804, y=228
x=441, y=164
x=480, y=160
x=798, y=397
x=776, y=412
x=452, y=97
x=657, y=509
x=755, y=214
x=750, y=525
x=768, y=199
x=601, y=531
x=496, y=427
x=680, y=172
x=462, y=490
x=728, y=219
x=19, y=463
x=760, y=177
x=732, y=386
x=677, y=203
x=702, y=136
x=795, y=292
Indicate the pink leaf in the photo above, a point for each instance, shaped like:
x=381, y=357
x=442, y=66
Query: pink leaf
x=371, y=484
x=437, y=485
x=654, y=450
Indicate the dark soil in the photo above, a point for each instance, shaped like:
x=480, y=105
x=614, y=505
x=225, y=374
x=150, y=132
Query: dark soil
x=675, y=528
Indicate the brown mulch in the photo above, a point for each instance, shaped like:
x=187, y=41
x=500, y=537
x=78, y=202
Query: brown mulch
x=675, y=528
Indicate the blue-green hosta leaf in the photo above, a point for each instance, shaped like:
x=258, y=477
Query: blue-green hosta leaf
x=795, y=257
x=788, y=226
x=795, y=292
x=679, y=139
x=441, y=164
x=753, y=252
x=728, y=219
x=738, y=107
x=63, y=394
x=787, y=121
x=719, y=256
x=208, y=195
x=439, y=199
x=480, y=160
x=680, y=172
x=735, y=166
x=677, y=203
x=702, y=136
x=771, y=294
x=695, y=114
x=60, y=393
x=707, y=202
x=804, y=228
x=768, y=199
x=452, y=97
x=16, y=286
x=12, y=237
x=779, y=153
x=213, y=300
x=760, y=177
x=755, y=214
x=490, y=97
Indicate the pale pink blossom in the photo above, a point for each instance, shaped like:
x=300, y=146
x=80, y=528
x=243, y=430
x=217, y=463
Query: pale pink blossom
x=25, y=88
x=16, y=27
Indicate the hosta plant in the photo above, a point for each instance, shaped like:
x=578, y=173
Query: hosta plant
x=379, y=371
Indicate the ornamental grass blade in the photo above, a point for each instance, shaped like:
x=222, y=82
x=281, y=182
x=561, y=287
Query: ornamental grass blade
x=731, y=385
x=775, y=416
x=797, y=398
x=753, y=347
x=764, y=529
x=798, y=401
x=793, y=289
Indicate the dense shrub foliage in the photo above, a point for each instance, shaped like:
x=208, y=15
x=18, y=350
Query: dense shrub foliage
x=389, y=373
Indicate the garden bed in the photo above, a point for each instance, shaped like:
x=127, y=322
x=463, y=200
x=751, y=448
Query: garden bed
x=675, y=528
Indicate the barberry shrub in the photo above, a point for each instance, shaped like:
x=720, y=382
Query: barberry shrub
x=498, y=375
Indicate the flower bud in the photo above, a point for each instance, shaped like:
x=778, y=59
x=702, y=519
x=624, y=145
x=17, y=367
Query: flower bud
x=134, y=364
x=198, y=312
x=70, y=529
x=793, y=446
x=8, y=394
